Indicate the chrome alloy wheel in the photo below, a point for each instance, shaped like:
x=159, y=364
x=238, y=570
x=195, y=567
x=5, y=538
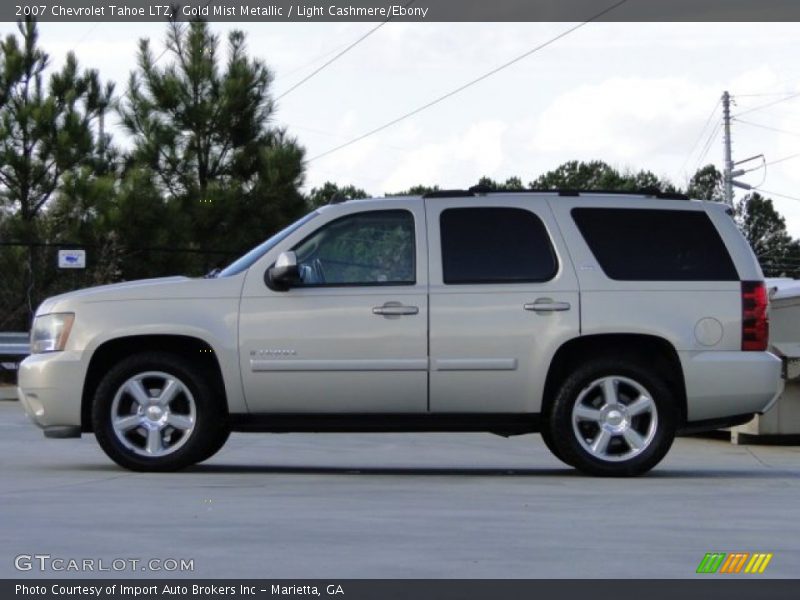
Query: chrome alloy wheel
x=614, y=418
x=153, y=414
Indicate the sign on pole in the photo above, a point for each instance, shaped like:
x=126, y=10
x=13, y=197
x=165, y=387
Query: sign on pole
x=72, y=259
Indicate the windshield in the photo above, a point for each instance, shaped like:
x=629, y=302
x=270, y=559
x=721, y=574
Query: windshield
x=244, y=262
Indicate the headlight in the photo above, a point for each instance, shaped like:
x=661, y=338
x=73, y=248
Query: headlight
x=50, y=332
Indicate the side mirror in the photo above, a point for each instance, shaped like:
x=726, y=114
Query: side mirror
x=284, y=273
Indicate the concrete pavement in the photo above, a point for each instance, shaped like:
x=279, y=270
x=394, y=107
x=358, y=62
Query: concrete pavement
x=390, y=505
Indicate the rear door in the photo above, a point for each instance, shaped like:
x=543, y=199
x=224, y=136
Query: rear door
x=503, y=298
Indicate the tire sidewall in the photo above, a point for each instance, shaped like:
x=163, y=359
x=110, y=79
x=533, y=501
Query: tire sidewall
x=564, y=437
x=207, y=414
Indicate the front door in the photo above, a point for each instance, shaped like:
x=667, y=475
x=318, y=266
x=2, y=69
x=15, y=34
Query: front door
x=352, y=336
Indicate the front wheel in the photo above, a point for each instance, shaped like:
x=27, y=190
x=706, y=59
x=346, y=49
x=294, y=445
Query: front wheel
x=613, y=417
x=155, y=412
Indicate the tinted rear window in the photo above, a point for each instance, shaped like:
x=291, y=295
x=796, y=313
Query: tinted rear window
x=495, y=245
x=655, y=245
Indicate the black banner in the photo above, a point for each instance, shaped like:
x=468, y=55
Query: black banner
x=404, y=10
x=416, y=589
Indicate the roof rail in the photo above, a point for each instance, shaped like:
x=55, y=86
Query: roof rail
x=648, y=192
x=449, y=194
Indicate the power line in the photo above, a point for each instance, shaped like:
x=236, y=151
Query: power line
x=313, y=61
x=777, y=130
x=767, y=127
x=711, y=138
x=332, y=60
x=765, y=94
x=767, y=105
x=339, y=135
x=777, y=194
x=780, y=160
x=469, y=83
x=86, y=35
x=338, y=55
x=700, y=137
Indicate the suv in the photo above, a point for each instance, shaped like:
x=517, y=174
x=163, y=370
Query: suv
x=605, y=321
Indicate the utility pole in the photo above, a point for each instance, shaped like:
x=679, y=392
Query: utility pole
x=727, y=172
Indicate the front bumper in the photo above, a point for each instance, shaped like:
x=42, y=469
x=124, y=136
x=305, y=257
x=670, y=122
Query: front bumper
x=50, y=386
x=726, y=384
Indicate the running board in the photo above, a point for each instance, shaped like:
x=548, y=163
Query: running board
x=504, y=424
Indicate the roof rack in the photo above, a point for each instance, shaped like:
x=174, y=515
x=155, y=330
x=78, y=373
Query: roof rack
x=449, y=194
x=484, y=189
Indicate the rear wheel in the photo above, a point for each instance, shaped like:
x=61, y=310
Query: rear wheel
x=613, y=417
x=156, y=412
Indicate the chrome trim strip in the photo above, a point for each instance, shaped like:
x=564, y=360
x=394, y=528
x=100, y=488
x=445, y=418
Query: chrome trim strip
x=389, y=364
x=475, y=364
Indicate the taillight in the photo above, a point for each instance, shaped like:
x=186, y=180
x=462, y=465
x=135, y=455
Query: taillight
x=755, y=325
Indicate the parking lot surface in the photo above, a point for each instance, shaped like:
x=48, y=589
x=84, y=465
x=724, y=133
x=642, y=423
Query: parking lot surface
x=395, y=506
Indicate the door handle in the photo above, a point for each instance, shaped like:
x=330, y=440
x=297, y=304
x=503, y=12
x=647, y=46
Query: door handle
x=394, y=310
x=547, y=305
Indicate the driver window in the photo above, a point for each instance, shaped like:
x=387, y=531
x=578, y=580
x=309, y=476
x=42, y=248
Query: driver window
x=369, y=248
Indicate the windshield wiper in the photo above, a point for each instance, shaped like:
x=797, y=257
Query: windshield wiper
x=212, y=273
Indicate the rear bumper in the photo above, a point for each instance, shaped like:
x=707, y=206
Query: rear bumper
x=50, y=387
x=726, y=384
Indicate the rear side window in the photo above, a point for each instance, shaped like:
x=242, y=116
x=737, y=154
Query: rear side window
x=495, y=245
x=655, y=245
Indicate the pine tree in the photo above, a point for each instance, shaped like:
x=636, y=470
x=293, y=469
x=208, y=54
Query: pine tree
x=203, y=129
x=47, y=133
x=330, y=191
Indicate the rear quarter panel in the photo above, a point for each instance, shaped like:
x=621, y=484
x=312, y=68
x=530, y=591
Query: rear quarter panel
x=672, y=310
x=701, y=319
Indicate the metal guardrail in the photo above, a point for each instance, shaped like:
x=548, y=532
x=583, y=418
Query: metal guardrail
x=14, y=347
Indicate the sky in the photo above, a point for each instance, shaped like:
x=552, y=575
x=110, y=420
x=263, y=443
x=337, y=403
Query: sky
x=636, y=95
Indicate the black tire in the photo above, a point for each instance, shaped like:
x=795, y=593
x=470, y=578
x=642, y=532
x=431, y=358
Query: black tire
x=548, y=441
x=129, y=449
x=655, y=428
x=216, y=445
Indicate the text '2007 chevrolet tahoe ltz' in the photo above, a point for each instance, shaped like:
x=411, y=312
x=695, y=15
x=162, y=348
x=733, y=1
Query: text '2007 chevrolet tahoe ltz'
x=606, y=322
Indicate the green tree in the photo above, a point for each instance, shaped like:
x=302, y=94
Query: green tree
x=328, y=191
x=706, y=184
x=598, y=175
x=416, y=190
x=203, y=129
x=47, y=134
x=510, y=184
x=765, y=229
